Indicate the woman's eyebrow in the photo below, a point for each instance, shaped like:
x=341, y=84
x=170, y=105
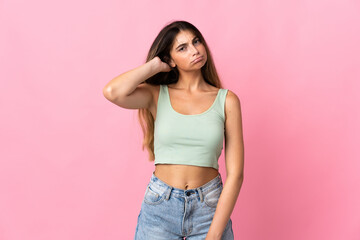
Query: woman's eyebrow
x=184, y=43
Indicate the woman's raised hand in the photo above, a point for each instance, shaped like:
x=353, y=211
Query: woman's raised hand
x=160, y=65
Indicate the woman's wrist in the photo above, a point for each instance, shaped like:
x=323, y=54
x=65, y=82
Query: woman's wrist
x=154, y=63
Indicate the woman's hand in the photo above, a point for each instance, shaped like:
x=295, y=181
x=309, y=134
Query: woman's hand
x=160, y=65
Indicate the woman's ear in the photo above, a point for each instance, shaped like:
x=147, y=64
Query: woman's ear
x=172, y=63
x=169, y=61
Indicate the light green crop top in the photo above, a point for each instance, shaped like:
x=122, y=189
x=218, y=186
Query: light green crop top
x=189, y=139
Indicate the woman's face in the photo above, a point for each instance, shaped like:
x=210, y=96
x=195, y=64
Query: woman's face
x=186, y=48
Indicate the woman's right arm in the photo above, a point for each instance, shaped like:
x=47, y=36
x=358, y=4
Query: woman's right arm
x=126, y=91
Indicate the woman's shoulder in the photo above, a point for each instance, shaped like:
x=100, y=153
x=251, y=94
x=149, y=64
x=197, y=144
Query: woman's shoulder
x=232, y=103
x=232, y=97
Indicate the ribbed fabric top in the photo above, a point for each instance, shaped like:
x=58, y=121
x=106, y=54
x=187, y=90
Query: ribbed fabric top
x=189, y=139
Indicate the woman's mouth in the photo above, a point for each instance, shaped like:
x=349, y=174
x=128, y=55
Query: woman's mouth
x=198, y=59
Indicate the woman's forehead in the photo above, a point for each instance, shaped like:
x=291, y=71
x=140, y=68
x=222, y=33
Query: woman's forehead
x=184, y=36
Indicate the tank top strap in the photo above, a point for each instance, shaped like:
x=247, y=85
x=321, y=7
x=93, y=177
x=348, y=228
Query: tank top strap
x=162, y=104
x=220, y=105
x=162, y=108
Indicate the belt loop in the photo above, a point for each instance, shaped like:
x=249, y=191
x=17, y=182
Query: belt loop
x=200, y=194
x=168, y=193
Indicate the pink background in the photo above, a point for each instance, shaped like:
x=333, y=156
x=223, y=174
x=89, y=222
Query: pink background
x=71, y=164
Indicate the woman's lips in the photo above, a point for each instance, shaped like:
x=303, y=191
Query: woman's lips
x=198, y=59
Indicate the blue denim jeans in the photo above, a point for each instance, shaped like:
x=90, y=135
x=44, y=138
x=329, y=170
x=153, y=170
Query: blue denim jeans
x=169, y=213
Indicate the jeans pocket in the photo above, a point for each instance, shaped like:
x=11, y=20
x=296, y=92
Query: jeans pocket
x=153, y=196
x=212, y=197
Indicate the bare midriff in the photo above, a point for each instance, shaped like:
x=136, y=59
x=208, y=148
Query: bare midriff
x=184, y=176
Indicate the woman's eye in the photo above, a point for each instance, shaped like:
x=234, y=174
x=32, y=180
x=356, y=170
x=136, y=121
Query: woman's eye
x=196, y=41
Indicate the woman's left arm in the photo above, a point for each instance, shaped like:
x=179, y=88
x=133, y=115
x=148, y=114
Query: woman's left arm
x=234, y=160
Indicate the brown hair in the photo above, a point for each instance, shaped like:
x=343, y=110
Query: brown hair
x=161, y=47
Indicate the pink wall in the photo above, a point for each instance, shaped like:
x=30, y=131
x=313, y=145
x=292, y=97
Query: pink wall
x=71, y=165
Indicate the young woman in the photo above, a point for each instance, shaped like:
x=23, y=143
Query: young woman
x=184, y=113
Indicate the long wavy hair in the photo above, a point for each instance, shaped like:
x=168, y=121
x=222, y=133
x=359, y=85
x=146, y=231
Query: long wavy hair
x=161, y=47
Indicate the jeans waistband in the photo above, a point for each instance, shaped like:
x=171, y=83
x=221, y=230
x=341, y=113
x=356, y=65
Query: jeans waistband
x=161, y=186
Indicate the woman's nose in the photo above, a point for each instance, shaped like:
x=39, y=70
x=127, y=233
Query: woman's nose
x=194, y=49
